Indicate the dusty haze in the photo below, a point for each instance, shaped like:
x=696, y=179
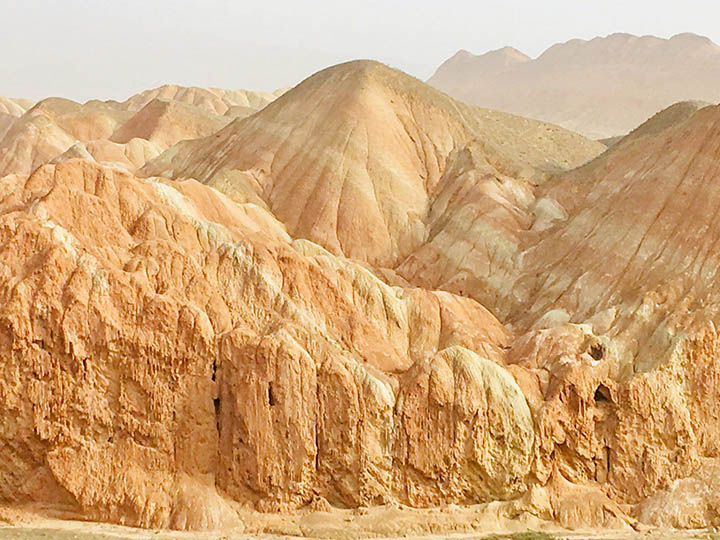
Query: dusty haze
x=602, y=88
x=84, y=49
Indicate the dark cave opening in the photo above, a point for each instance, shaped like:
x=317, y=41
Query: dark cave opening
x=602, y=393
x=597, y=351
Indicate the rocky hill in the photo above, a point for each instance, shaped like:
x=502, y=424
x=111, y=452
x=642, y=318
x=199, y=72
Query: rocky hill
x=125, y=135
x=364, y=294
x=360, y=169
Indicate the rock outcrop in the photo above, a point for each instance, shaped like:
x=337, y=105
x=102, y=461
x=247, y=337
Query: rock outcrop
x=30, y=141
x=165, y=123
x=360, y=171
x=366, y=293
x=125, y=135
x=211, y=100
x=159, y=338
x=11, y=107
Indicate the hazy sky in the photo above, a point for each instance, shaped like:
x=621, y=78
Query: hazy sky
x=111, y=49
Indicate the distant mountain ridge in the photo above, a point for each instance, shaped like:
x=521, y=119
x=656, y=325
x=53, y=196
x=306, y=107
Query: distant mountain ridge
x=601, y=87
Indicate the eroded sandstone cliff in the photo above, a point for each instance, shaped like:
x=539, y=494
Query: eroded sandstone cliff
x=158, y=338
x=381, y=296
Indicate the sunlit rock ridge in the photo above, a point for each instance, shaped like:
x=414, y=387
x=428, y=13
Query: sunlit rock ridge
x=359, y=293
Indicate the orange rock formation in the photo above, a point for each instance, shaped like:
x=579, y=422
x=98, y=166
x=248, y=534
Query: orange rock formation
x=366, y=293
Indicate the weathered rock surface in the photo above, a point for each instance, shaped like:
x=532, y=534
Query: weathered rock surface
x=126, y=135
x=165, y=123
x=85, y=122
x=30, y=141
x=131, y=155
x=602, y=88
x=159, y=338
x=622, y=297
x=11, y=107
x=211, y=100
x=10, y=111
x=381, y=296
x=355, y=157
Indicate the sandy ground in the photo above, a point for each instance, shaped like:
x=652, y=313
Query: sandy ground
x=95, y=531
x=381, y=523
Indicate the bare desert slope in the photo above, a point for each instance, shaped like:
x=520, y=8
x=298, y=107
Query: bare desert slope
x=365, y=294
x=602, y=88
x=212, y=100
x=127, y=134
x=355, y=156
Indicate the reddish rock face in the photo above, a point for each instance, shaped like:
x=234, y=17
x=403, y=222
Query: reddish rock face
x=370, y=169
x=503, y=326
x=156, y=343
